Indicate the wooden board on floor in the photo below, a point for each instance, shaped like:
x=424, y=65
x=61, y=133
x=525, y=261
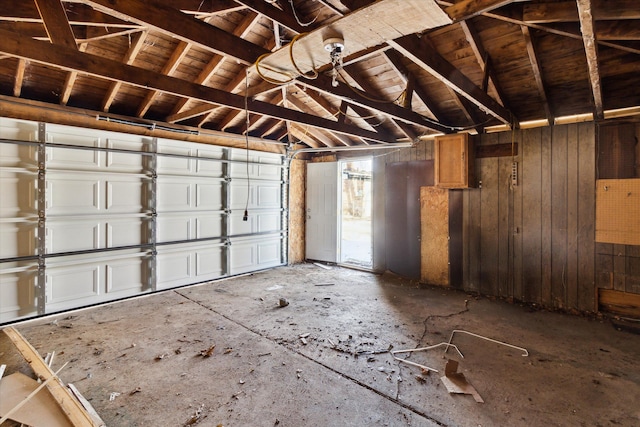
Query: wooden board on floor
x=40, y=410
x=617, y=302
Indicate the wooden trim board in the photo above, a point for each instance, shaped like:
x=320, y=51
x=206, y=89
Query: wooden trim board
x=618, y=302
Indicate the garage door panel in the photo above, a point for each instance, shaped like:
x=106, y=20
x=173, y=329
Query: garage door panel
x=68, y=286
x=126, y=277
x=209, y=263
x=172, y=229
x=17, y=156
x=209, y=226
x=269, y=253
x=60, y=134
x=243, y=257
x=174, y=269
x=174, y=196
x=74, y=159
x=73, y=194
x=22, y=130
x=17, y=238
x=18, y=191
x=125, y=231
x=209, y=196
x=73, y=235
x=125, y=195
x=17, y=288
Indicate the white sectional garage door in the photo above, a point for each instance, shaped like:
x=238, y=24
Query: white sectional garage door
x=89, y=216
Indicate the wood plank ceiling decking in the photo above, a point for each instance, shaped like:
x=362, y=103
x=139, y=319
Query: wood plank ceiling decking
x=191, y=63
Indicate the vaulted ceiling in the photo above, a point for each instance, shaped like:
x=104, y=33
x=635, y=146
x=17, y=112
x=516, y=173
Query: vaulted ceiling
x=409, y=68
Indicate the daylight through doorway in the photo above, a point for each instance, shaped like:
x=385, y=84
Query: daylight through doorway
x=355, y=213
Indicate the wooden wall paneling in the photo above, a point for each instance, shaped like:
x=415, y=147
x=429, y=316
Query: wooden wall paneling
x=456, y=242
x=586, y=216
x=558, y=192
x=505, y=208
x=619, y=264
x=472, y=204
x=571, y=277
x=604, y=265
x=516, y=226
x=546, y=225
x=633, y=270
x=559, y=195
x=489, y=223
x=531, y=184
x=428, y=148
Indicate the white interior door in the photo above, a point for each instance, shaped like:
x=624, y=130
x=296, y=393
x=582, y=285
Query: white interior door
x=322, y=212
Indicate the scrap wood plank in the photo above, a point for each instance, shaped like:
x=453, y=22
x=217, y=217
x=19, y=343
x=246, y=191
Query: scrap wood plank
x=71, y=407
x=618, y=302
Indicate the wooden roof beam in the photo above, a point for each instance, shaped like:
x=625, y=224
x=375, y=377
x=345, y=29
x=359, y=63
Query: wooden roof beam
x=166, y=19
x=17, y=84
x=426, y=57
x=395, y=60
x=473, y=38
x=518, y=21
x=281, y=17
x=216, y=61
x=56, y=23
x=68, y=59
x=70, y=80
x=547, y=13
x=467, y=9
x=585, y=11
x=79, y=14
x=174, y=60
x=137, y=41
x=537, y=72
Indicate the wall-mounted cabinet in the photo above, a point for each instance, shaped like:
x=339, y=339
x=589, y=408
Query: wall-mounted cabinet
x=454, y=161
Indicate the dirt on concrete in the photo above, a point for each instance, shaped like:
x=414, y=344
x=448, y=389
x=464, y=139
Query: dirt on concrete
x=230, y=353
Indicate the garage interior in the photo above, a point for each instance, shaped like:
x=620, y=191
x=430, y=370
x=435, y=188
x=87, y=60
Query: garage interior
x=304, y=212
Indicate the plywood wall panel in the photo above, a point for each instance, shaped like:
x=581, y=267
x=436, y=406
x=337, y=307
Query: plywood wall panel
x=297, y=211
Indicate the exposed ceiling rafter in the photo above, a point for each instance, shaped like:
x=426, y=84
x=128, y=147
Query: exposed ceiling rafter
x=537, y=72
x=70, y=60
x=585, y=11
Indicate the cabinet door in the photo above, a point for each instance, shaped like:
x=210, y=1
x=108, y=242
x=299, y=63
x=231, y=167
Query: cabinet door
x=454, y=158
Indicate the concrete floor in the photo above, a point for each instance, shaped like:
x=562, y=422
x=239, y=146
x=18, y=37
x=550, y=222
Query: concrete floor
x=579, y=372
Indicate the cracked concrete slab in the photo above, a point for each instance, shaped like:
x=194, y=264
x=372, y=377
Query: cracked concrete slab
x=322, y=360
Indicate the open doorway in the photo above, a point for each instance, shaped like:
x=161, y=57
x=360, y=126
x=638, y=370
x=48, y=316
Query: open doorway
x=355, y=213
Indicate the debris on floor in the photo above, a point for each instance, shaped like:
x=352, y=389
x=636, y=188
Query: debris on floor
x=456, y=383
x=326, y=267
x=282, y=302
x=197, y=417
x=524, y=351
x=207, y=352
x=21, y=396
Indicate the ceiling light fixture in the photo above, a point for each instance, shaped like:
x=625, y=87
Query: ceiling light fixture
x=335, y=46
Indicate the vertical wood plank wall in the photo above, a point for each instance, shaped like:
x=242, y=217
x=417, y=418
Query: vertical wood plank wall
x=532, y=242
x=618, y=266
